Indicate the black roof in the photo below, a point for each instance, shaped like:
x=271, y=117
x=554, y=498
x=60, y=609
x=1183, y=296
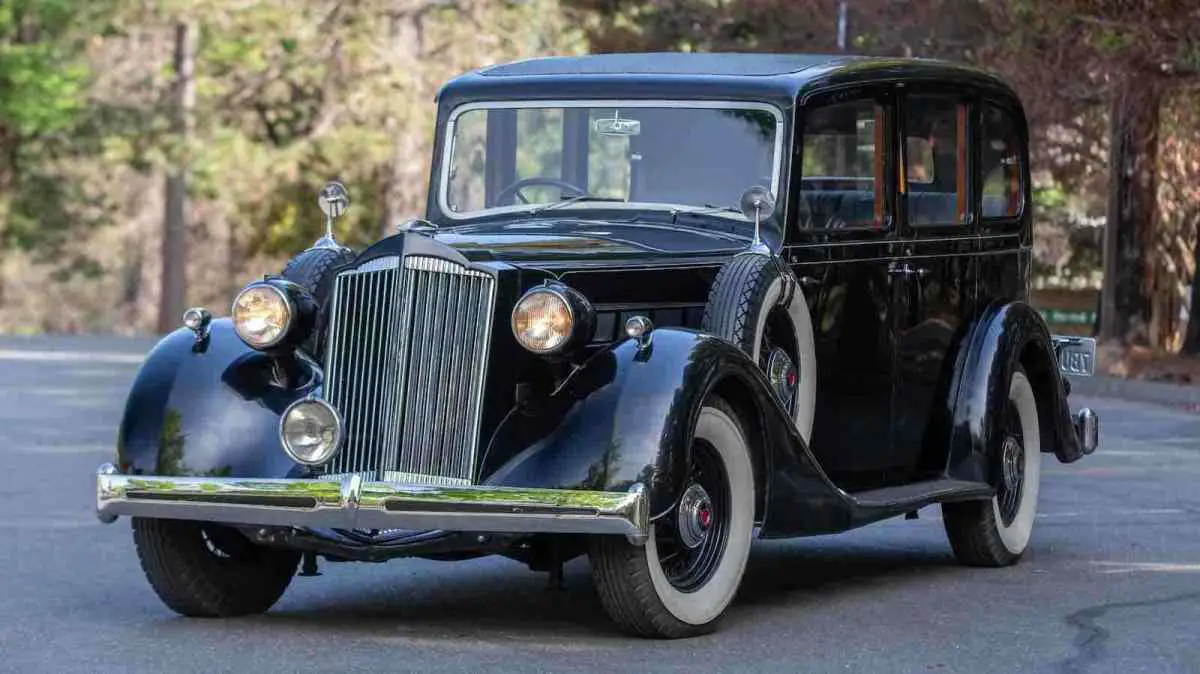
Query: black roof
x=667, y=63
x=779, y=78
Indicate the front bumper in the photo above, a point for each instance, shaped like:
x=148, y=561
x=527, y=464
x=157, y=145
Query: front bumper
x=354, y=503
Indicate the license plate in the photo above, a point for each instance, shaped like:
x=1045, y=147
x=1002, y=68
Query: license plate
x=1076, y=355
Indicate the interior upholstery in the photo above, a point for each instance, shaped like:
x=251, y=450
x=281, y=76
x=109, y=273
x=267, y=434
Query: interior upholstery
x=856, y=208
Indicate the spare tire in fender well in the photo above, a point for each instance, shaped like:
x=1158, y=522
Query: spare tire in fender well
x=744, y=297
x=314, y=270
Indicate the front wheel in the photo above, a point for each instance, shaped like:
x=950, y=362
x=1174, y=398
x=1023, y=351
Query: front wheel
x=679, y=583
x=996, y=532
x=206, y=570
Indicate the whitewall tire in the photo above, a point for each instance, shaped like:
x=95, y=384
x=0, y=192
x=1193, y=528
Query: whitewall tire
x=681, y=581
x=997, y=532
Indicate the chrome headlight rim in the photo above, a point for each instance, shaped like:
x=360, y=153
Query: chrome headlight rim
x=563, y=295
x=338, y=426
x=290, y=309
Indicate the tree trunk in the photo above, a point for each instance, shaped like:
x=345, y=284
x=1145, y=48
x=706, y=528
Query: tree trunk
x=174, y=244
x=401, y=175
x=1132, y=210
x=1191, y=339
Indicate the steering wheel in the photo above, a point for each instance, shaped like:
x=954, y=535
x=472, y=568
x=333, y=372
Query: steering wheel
x=545, y=181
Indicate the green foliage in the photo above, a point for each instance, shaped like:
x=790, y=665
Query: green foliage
x=41, y=80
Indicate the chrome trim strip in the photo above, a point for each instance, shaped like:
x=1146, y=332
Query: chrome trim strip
x=354, y=503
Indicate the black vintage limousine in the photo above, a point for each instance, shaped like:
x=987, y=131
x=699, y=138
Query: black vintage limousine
x=659, y=305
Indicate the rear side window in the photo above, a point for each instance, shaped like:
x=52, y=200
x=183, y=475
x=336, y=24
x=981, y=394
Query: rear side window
x=1000, y=159
x=843, y=166
x=935, y=165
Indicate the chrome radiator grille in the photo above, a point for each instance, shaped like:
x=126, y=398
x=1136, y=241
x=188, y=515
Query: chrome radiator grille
x=405, y=368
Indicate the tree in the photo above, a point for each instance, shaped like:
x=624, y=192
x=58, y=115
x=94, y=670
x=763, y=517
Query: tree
x=173, y=296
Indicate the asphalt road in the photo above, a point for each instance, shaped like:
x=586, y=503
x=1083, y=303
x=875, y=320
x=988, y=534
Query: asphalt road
x=1112, y=583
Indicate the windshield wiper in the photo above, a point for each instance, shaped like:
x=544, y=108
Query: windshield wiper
x=707, y=209
x=570, y=200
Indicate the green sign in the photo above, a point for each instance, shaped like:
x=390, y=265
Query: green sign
x=1063, y=316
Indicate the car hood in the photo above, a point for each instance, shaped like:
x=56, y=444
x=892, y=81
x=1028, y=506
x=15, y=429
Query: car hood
x=585, y=239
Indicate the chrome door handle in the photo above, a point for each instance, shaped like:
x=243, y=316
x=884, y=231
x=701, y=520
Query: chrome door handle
x=905, y=269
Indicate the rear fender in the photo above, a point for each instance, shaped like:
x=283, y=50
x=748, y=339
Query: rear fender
x=209, y=409
x=1007, y=336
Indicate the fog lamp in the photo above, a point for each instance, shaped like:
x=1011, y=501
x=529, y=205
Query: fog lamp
x=311, y=431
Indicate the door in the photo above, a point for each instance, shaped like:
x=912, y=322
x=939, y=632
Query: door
x=840, y=251
x=935, y=273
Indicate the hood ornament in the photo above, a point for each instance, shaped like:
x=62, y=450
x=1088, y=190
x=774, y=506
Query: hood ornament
x=333, y=200
x=758, y=203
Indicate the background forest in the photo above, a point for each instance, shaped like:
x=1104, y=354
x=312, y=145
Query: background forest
x=189, y=137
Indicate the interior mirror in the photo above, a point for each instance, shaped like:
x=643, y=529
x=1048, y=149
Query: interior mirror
x=757, y=203
x=617, y=126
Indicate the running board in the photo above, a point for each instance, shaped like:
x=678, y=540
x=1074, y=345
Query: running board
x=907, y=497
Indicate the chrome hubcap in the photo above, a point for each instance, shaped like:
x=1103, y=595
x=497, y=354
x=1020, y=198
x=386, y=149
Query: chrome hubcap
x=1012, y=463
x=782, y=374
x=1012, y=469
x=695, y=516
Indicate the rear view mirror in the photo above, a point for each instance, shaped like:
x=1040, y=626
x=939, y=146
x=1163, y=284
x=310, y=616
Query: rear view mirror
x=616, y=126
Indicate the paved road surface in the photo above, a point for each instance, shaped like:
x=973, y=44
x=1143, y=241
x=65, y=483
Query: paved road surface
x=1112, y=583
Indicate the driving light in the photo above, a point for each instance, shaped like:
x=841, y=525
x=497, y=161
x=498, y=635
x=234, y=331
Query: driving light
x=310, y=431
x=542, y=320
x=262, y=314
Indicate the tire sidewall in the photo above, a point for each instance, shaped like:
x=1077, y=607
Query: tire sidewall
x=1015, y=536
x=707, y=603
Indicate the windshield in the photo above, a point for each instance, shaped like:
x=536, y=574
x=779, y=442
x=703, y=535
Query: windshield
x=534, y=156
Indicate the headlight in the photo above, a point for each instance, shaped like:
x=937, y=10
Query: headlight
x=310, y=431
x=550, y=318
x=262, y=315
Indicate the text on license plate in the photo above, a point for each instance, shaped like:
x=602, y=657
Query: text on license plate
x=1076, y=355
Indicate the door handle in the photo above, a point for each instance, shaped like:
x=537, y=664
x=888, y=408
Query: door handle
x=905, y=269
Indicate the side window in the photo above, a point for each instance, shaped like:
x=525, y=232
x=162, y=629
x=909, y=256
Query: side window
x=842, y=170
x=1000, y=161
x=935, y=166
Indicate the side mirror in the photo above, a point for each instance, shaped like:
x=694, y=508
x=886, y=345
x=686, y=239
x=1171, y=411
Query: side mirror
x=758, y=203
x=333, y=200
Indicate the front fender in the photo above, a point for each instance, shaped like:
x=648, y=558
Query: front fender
x=209, y=409
x=1007, y=336
x=625, y=417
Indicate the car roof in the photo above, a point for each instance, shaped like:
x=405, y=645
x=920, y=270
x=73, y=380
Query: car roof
x=665, y=63
x=778, y=78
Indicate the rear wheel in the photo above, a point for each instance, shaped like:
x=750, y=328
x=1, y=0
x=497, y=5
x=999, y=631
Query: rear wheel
x=205, y=570
x=997, y=532
x=680, y=582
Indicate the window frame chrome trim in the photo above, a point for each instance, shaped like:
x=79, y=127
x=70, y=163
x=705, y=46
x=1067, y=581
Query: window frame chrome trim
x=683, y=104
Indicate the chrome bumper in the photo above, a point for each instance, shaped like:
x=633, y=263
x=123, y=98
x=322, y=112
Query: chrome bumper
x=355, y=504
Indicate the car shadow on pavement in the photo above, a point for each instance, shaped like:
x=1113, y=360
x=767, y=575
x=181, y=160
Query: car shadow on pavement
x=503, y=602
x=792, y=572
